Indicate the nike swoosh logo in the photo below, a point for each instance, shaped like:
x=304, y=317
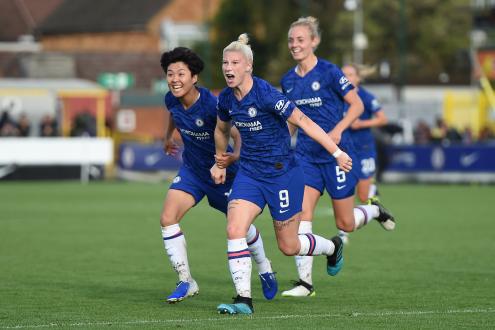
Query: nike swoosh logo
x=283, y=211
x=152, y=159
x=289, y=90
x=341, y=187
x=470, y=159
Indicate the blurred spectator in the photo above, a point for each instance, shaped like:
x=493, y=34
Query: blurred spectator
x=383, y=136
x=422, y=133
x=8, y=127
x=23, y=125
x=84, y=125
x=486, y=134
x=467, y=136
x=48, y=126
x=441, y=133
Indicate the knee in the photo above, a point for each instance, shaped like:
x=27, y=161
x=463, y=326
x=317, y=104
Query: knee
x=234, y=232
x=347, y=226
x=289, y=249
x=168, y=219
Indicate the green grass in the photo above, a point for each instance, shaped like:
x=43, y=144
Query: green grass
x=91, y=256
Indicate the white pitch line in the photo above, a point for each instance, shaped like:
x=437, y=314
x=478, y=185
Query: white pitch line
x=227, y=318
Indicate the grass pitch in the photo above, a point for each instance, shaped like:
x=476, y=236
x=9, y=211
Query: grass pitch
x=91, y=256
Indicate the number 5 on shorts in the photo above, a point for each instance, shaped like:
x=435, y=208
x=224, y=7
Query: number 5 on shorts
x=340, y=174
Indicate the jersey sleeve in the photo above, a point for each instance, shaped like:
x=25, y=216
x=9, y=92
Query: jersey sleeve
x=375, y=105
x=277, y=102
x=223, y=108
x=339, y=82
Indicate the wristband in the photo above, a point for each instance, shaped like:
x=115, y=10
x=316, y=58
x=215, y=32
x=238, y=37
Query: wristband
x=337, y=153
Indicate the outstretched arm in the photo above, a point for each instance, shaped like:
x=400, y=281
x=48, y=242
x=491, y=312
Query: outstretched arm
x=314, y=131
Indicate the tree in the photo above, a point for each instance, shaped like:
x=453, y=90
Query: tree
x=436, y=35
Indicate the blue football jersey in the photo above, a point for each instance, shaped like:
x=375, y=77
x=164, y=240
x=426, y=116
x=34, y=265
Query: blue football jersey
x=196, y=126
x=261, y=118
x=320, y=95
x=363, y=138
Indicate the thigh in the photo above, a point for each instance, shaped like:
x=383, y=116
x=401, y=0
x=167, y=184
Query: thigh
x=284, y=194
x=311, y=197
x=175, y=205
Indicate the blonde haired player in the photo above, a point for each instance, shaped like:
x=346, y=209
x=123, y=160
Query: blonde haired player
x=322, y=92
x=268, y=173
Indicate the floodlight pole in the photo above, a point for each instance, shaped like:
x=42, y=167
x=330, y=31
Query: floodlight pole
x=358, y=33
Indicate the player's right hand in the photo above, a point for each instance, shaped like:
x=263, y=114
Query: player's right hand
x=345, y=162
x=218, y=174
x=170, y=147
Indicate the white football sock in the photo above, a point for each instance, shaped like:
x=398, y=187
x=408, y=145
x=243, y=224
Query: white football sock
x=304, y=264
x=363, y=214
x=315, y=245
x=176, y=248
x=240, y=265
x=255, y=245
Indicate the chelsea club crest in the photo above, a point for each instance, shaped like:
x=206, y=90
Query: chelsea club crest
x=315, y=86
x=252, y=112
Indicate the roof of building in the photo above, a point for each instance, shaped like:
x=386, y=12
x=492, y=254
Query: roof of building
x=21, y=17
x=76, y=16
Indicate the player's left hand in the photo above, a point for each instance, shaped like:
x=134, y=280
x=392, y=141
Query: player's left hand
x=225, y=159
x=218, y=174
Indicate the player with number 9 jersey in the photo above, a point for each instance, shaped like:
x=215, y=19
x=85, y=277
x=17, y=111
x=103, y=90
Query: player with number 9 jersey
x=268, y=174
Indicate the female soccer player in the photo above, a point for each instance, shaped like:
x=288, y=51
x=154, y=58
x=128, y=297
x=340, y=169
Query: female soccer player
x=193, y=113
x=364, y=142
x=322, y=91
x=268, y=172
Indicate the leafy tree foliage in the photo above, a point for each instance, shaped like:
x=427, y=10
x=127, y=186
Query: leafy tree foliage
x=435, y=34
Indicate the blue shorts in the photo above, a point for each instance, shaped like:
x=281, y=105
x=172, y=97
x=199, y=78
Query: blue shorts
x=366, y=163
x=329, y=176
x=190, y=183
x=283, y=194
